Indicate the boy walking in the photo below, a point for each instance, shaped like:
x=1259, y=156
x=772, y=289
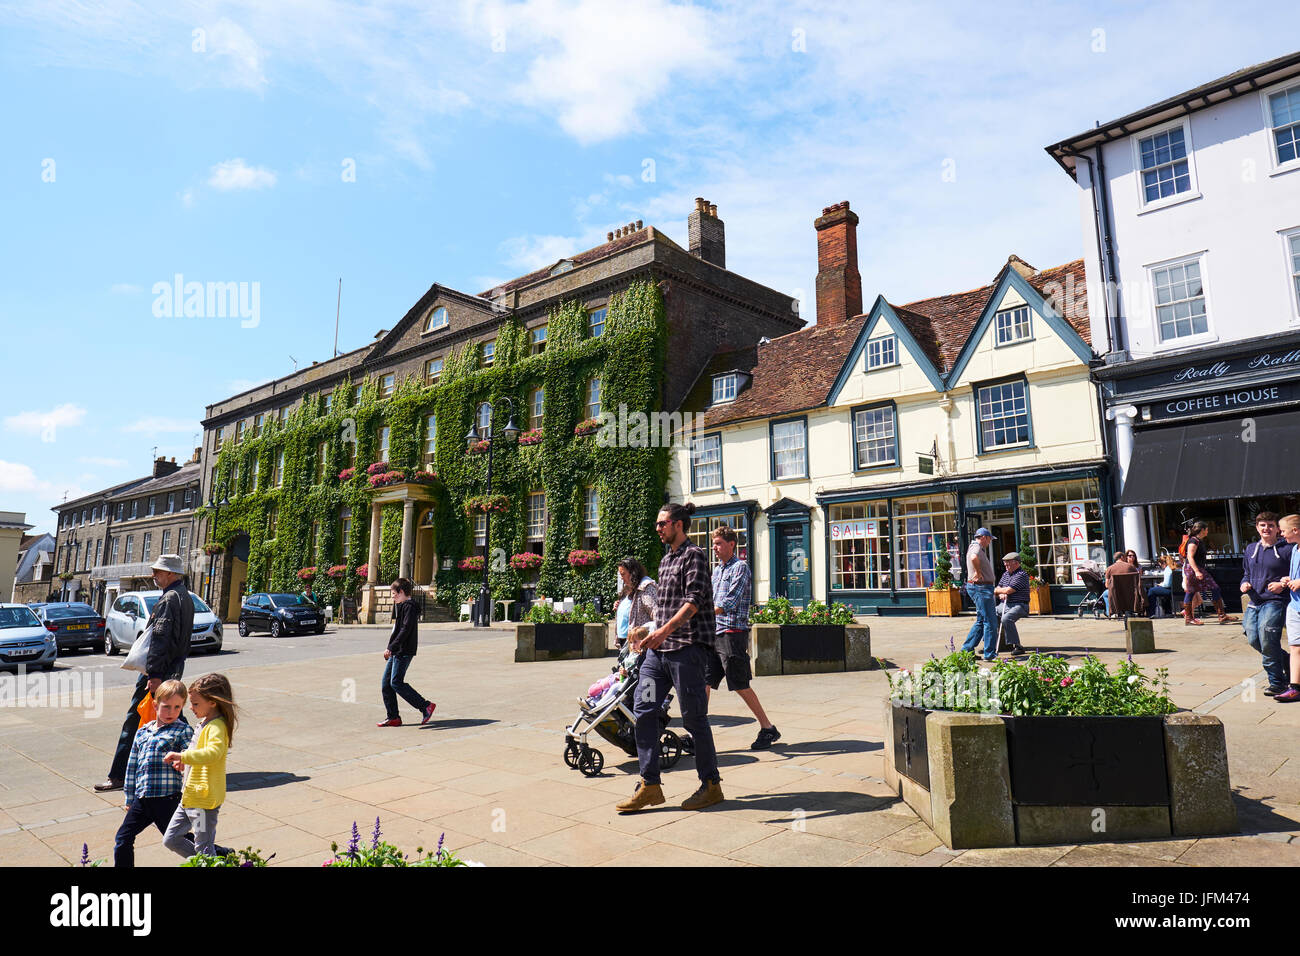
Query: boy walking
x=1290, y=527
x=153, y=789
x=1265, y=565
x=402, y=645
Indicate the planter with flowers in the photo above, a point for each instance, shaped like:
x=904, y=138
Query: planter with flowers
x=473, y=563
x=363, y=571
x=531, y=437
x=526, y=561
x=422, y=477
x=385, y=478
x=484, y=504
x=307, y=574
x=942, y=598
x=1045, y=751
x=479, y=447
x=814, y=639
x=578, y=558
x=346, y=474
x=213, y=547
x=378, y=468
x=587, y=426
x=336, y=571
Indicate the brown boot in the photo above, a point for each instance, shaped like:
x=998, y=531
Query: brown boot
x=645, y=795
x=1188, y=616
x=708, y=794
x=1224, y=616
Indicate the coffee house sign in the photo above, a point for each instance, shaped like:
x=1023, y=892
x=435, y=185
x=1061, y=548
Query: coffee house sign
x=1234, y=400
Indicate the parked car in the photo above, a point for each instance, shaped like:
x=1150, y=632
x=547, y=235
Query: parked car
x=280, y=614
x=130, y=612
x=74, y=625
x=24, y=641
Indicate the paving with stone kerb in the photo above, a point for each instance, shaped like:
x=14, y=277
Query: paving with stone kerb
x=489, y=771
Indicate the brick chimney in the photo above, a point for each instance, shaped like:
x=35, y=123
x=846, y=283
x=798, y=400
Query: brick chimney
x=162, y=466
x=839, y=287
x=707, y=236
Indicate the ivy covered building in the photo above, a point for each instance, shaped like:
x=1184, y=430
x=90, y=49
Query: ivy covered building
x=358, y=466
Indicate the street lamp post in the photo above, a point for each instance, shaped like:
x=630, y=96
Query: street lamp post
x=483, y=608
x=70, y=542
x=215, y=505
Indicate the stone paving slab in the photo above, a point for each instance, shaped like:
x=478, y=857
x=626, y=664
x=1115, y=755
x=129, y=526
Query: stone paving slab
x=488, y=772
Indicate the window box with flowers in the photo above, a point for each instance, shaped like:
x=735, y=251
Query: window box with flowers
x=483, y=504
x=213, y=547
x=526, y=561
x=378, y=468
x=473, y=563
x=422, y=477
x=386, y=478
x=307, y=574
x=587, y=426
x=346, y=474
x=336, y=571
x=531, y=437
x=579, y=558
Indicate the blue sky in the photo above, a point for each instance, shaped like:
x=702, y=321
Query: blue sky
x=146, y=139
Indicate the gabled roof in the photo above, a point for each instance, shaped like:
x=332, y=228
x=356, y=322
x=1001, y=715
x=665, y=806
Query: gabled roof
x=102, y=493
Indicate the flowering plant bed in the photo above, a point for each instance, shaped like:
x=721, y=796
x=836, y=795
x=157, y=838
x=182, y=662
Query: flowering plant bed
x=579, y=558
x=474, y=563
x=241, y=858
x=307, y=574
x=346, y=473
x=526, y=561
x=587, y=427
x=382, y=853
x=383, y=479
x=337, y=571
x=781, y=611
x=482, y=504
x=363, y=571
x=378, y=468
x=531, y=437
x=422, y=477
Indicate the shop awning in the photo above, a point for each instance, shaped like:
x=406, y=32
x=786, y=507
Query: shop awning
x=1226, y=458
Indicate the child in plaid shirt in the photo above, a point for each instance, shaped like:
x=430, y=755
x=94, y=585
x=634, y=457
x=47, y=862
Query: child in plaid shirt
x=153, y=789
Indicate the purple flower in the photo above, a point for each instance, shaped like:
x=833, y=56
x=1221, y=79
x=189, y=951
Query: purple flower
x=355, y=841
x=438, y=855
x=85, y=855
x=374, y=837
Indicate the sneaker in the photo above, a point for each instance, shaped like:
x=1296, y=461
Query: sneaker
x=428, y=713
x=108, y=785
x=1018, y=650
x=1274, y=691
x=390, y=722
x=1290, y=695
x=766, y=737
x=645, y=795
x=708, y=794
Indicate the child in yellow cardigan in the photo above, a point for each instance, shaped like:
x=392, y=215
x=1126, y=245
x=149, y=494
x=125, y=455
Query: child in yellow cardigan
x=212, y=701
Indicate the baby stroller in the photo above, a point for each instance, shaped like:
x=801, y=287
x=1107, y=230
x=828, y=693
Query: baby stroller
x=610, y=715
x=1092, y=600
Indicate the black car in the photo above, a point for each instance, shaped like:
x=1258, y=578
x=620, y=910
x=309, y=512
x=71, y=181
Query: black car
x=74, y=625
x=280, y=614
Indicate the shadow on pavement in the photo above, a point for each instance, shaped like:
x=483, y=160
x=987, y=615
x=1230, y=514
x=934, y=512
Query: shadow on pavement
x=810, y=804
x=260, y=781
x=456, y=722
x=1255, y=816
x=826, y=748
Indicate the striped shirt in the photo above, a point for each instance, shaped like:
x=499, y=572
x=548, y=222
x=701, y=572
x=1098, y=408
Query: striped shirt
x=732, y=587
x=684, y=578
x=146, y=774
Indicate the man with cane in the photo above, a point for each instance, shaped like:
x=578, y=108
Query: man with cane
x=1013, y=589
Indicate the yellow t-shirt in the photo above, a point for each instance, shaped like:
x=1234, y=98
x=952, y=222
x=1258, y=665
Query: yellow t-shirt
x=205, y=785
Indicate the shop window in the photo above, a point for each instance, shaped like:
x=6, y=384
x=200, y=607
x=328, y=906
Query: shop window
x=701, y=533
x=1057, y=516
x=706, y=463
x=922, y=528
x=859, y=546
x=875, y=442
x=1172, y=520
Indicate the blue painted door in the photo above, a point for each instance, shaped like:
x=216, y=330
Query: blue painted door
x=794, y=575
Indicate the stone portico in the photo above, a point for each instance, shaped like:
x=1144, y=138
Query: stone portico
x=417, y=559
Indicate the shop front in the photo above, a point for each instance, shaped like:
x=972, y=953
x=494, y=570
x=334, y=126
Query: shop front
x=883, y=544
x=1206, y=438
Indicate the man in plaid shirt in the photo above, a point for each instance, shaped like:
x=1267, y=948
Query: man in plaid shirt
x=732, y=588
x=153, y=789
x=676, y=654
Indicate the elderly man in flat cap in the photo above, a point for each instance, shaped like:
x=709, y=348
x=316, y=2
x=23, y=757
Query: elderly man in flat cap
x=1013, y=590
x=172, y=620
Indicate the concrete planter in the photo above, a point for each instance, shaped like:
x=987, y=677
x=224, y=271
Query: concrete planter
x=559, y=642
x=940, y=603
x=984, y=781
x=810, y=649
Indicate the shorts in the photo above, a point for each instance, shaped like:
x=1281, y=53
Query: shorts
x=1293, y=624
x=735, y=666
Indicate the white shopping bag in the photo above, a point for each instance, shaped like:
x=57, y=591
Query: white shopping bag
x=138, y=655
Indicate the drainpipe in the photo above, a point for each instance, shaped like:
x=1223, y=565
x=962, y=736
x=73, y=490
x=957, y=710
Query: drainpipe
x=1105, y=250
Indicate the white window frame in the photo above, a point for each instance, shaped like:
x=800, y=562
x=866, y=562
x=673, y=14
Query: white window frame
x=430, y=437
x=430, y=325
x=480, y=531
x=1278, y=167
x=985, y=447
x=1209, y=335
x=1292, y=268
x=383, y=438
x=536, y=516
x=536, y=345
x=594, y=388
x=489, y=353
x=1194, y=189
x=863, y=441
x=591, y=512
x=432, y=374
x=1013, y=313
x=537, y=407
x=773, y=451
x=699, y=463
x=724, y=388
x=596, y=329
x=387, y=385
x=879, y=342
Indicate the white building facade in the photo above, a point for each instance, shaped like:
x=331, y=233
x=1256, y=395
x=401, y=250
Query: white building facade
x=1191, y=221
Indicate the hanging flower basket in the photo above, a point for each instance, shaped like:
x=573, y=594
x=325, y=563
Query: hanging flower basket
x=531, y=437
x=383, y=479
x=479, y=447
x=422, y=477
x=482, y=504
x=588, y=427
x=337, y=571
x=526, y=561
x=378, y=468
x=66, y=576
x=583, y=559
x=363, y=571
x=213, y=548
x=346, y=474
x=307, y=574
x=471, y=564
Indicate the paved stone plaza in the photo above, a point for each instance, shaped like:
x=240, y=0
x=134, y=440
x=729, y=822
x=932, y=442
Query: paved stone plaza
x=488, y=771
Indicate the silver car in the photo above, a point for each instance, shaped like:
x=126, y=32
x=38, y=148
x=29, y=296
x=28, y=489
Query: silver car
x=127, y=618
x=24, y=640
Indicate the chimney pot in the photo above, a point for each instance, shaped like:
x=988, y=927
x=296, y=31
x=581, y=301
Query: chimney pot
x=713, y=210
x=839, y=286
x=699, y=202
x=609, y=237
x=638, y=225
x=707, y=234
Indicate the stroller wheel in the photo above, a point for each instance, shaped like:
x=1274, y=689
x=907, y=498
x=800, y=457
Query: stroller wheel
x=670, y=749
x=591, y=762
x=571, y=754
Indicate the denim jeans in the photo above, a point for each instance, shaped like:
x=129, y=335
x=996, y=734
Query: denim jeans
x=1009, y=614
x=986, y=622
x=1161, y=594
x=143, y=813
x=395, y=683
x=201, y=824
x=1263, y=623
x=683, y=670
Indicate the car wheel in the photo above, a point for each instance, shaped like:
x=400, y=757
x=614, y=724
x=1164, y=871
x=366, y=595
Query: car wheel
x=109, y=647
x=276, y=630
x=48, y=666
x=320, y=628
x=243, y=628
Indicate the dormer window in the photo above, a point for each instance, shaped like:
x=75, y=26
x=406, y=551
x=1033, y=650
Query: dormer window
x=564, y=265
x=882, y=352
x=437, y=320
x=724, y=388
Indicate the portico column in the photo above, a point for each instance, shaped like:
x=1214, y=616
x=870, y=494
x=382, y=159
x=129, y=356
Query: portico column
x=1123, y=417
x=408, y=537
x=376, y=532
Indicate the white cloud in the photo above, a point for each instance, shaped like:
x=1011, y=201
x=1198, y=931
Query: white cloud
x=187, y=198
x=155, y=424
x=42, y=423
x=105, y=462
x=20, y=479
x=238, y=53
x=530, y=252
x=236, y=174
x=124, y=288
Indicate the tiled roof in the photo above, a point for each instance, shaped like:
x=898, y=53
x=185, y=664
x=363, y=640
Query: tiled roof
x=581, y=258
x=795, y=372
x=187, y=473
